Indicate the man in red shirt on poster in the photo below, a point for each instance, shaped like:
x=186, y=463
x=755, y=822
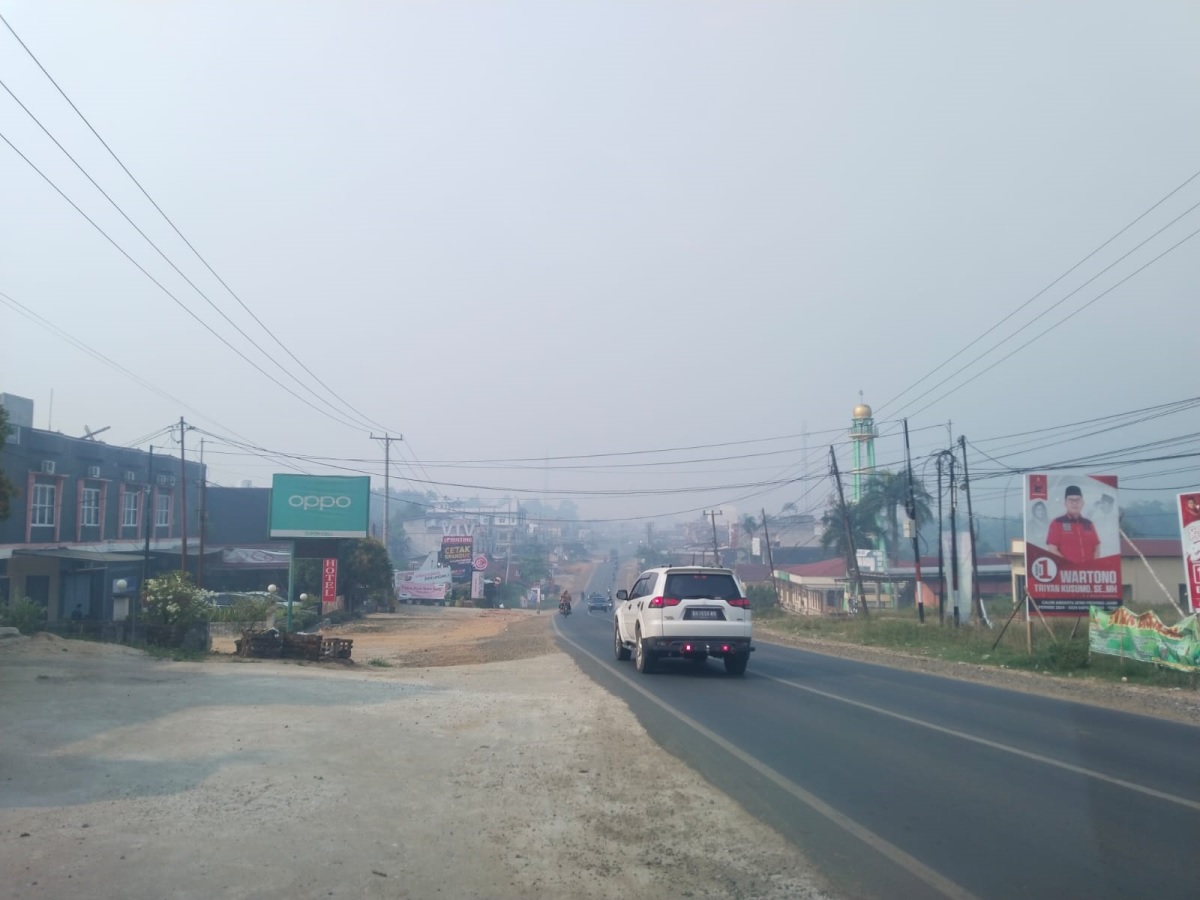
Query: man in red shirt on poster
x=1072, y=536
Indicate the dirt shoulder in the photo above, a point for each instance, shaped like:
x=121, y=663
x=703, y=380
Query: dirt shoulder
x=499, y=771
x=1176, y=704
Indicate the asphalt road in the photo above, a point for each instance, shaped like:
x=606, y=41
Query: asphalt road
x=900, y=784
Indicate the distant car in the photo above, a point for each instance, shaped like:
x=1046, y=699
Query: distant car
x=599, y=601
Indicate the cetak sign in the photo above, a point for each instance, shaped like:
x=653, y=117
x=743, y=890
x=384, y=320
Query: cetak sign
x=1189, y=524
x=1072, y=542
x=329, y=581
x=319, y=506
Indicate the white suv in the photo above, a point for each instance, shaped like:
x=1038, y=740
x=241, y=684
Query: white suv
x=692, y=612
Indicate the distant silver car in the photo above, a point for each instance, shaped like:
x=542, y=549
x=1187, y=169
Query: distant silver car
x=598, y=601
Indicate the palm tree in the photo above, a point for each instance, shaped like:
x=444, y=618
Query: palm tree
x=864, y=527
x=886, y=492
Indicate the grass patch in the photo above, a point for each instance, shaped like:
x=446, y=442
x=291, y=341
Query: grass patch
x=176, y=654
x=379, y=662
x=1063, y=656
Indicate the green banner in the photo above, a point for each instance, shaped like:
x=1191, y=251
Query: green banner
x=1145, y=638
x=316, y=506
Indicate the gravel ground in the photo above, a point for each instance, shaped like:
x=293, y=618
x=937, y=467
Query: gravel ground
x=515, y=776
x=1174, y=703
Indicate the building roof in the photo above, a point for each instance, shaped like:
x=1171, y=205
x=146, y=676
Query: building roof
x=83, y=555
x=1152, y=547
x=753, y=573
x=825, y=568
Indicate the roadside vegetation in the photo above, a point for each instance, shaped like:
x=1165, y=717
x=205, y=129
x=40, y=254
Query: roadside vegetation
x=1063, y=655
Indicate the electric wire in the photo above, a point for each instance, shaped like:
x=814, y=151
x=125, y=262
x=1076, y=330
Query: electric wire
x=168, y=292
x=174, y=228
x=1055, y=325
x=1035, y=297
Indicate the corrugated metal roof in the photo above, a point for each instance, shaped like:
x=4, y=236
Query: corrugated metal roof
x=84, y=555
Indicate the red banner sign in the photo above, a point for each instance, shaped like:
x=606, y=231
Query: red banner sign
x=1189, y=522
x=1072, y=542
x=329, y=581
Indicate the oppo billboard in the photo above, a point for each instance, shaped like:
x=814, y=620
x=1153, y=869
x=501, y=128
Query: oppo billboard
x=319, y=506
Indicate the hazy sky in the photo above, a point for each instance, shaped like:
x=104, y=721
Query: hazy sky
x=517, y=229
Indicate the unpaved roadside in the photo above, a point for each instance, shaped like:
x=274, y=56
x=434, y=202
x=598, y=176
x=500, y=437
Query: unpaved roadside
x=1177, y=704
x=127, y=777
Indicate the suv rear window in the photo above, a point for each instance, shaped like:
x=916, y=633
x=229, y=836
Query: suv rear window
x=697, y=585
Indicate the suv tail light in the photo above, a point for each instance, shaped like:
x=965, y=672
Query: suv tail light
x=743, y=602
x=660, y=602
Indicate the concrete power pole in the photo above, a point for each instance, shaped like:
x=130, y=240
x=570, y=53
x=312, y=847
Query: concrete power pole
x=387, y=485
x=712, y=514
x=183, y=548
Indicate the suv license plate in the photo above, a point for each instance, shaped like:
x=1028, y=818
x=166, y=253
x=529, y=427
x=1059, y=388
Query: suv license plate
x=704, y=614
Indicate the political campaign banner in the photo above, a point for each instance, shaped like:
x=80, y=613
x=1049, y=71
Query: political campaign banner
x=1189, y=525
x=1144, y=637
x=1072, y=542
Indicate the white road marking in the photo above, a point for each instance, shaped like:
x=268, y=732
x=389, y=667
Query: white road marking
x=909, y=863
x=995, y=745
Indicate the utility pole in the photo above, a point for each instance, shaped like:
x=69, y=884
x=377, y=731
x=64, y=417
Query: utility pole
x=911, y=509
x=770, y=560
x=182, y=498
x=851, y=552
x=941, y=549
x=387, y=489
x=712, y=514
x=148, y=515
x=953, y=536
x=203, y=491
x=976, y=599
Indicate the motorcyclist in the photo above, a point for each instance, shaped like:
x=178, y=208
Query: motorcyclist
x=564, y=601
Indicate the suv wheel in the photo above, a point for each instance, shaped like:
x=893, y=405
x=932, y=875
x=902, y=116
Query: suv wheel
x=643, y=657
x=735, y=664
x=620, y=651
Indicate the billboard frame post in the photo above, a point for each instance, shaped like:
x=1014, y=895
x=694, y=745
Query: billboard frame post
x=291, y=581
x=1028, y=624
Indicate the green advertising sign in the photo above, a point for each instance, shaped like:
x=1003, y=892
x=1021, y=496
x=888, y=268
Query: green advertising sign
x=1146, y=638
x=317, y=506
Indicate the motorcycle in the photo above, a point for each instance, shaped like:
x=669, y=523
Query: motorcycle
x=564, y=609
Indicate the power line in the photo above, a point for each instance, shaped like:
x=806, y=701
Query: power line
x=988, y=331
x=174, y=228
x=166, y=291
x=1046, y=331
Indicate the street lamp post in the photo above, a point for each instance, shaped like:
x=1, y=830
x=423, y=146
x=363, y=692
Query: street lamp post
x=273, y=590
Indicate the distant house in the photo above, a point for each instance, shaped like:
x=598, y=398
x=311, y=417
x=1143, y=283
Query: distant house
x=239, y=553
x=820, y=587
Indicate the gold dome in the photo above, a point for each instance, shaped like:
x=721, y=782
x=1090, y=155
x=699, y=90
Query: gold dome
x=862, y=411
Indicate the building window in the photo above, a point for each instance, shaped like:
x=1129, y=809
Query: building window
x=162, y=511
x=90, y=511
x=43, y=505
x=129, y=512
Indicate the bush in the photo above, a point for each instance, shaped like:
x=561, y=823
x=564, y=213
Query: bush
x=761, y=596
x=245, y=609
x=173, y=599
x=24, y=615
